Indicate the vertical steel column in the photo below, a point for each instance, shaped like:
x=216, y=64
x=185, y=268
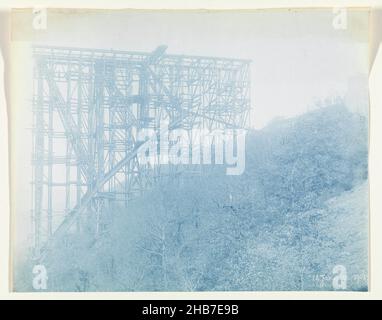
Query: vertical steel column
x=78, y=185
x=99, y=89
x=50, y=168
x=38, y=157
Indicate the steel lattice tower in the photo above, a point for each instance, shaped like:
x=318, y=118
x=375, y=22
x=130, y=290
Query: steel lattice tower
x=87, y=107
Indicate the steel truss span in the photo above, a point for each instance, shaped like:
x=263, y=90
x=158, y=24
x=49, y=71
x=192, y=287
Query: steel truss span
x=88, y=105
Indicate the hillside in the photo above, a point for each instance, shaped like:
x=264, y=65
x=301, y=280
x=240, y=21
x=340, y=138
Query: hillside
x=299, y=209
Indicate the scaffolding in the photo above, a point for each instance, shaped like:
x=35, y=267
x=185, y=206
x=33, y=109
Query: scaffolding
x=88, y=105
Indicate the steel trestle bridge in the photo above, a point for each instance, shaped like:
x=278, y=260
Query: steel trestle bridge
x=88, y=105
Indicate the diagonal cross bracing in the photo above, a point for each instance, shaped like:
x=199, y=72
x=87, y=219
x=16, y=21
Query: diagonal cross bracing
x=71, y=128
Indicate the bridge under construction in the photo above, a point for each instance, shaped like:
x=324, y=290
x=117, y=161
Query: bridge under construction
x=88, y=105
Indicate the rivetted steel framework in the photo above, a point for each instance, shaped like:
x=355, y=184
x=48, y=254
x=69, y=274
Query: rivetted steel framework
x=88, y=105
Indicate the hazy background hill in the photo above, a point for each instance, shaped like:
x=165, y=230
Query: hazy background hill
x=299, y=209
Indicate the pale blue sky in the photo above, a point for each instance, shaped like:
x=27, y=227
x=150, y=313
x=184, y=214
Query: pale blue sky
x=298, y=56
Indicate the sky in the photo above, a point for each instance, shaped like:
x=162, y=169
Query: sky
x=298, y=57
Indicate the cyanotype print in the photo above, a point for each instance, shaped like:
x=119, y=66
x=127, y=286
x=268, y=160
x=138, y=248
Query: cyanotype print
x=190, y=151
